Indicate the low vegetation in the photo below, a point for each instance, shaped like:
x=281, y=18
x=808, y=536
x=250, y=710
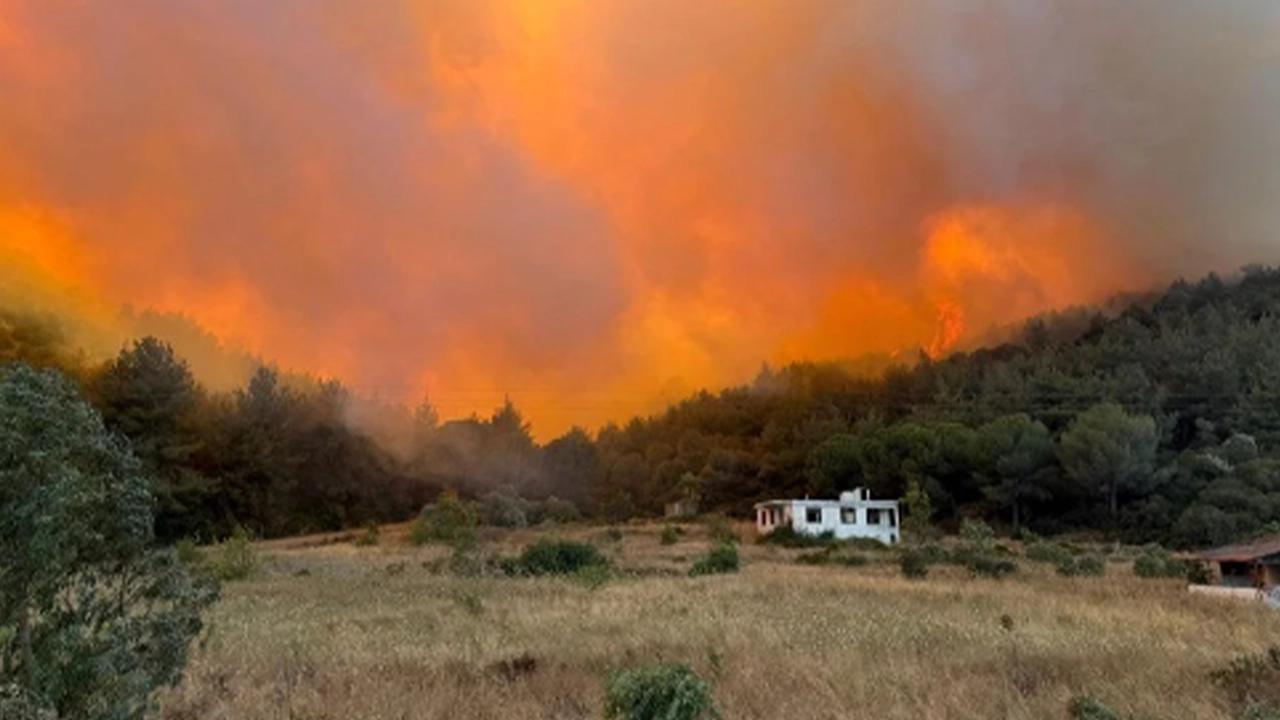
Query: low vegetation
x=659, y=692
x=330, y=631
x=551, y=556
x=722, y=559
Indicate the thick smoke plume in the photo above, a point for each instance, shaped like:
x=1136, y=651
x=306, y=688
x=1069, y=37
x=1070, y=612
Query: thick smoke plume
x=594, y=206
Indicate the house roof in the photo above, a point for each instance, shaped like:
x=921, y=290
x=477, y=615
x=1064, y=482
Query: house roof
x=1244, y=552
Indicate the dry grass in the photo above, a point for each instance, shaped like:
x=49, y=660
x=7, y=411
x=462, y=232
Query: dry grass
x=337, y=632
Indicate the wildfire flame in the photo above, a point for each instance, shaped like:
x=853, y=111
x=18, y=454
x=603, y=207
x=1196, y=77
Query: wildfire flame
x=598, y=207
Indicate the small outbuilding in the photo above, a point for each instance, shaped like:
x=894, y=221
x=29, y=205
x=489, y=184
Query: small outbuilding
x=854, y=515
x=1253, y=564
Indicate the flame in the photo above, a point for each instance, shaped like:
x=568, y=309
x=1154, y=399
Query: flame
x=597, y=207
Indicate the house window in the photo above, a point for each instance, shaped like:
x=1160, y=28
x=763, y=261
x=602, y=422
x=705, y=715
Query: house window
x=849, y=516
x=893, y=518
x=813, y=516
x=873, y=516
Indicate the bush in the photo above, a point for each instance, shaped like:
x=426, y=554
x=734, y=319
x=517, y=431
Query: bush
x=504, y=509
x=235, y=558
x=554, y=557
x=560, y=511
x=1048, y=552
x=915, y=564
x=670, y=536
x=977, y=533
x=787, y=537
x=1083, y=566
x=1156, y=562
x=991, y=566
x=660, y=692
x=450, y=520
x=1198, y=573
x=611, y=535
x=722, y=559
x=1085, y=707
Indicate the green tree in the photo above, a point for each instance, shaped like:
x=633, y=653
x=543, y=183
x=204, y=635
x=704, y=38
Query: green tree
x=150, y=396
x=93, y=618
x=1018, y=452
x=1110, y=450
x=833, y=465
x=917, y=521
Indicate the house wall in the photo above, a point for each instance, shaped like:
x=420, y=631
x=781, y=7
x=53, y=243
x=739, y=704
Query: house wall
x=885, y=532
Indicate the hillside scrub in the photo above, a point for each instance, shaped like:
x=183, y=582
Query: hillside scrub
x=550, y=556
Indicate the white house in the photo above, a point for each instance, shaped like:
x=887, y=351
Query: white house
x=854, y=515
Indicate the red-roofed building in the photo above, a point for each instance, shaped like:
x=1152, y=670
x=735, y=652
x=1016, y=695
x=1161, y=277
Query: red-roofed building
x=1253, y=564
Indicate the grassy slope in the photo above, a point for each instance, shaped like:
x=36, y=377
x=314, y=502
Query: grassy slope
x=377, y=633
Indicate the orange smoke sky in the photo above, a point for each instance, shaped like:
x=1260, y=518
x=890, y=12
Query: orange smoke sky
x=598, y=206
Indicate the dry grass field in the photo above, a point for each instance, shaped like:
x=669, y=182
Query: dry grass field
x=337, y=632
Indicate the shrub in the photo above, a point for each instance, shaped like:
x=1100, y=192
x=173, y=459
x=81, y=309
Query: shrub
x=450, y=520
x=370, y=536
x=787, y=537
x=611, y=535
x=235, y=558
x=1083, y=566
x=503, y=509
x=915, y=564
x=1156, y=562
x=1084, y=707
x=723, y=558
x=660, y=692
x=560, y=511
x=1251, y=680
x=554, y=557
x=721, y=530
x=933, y=553
x=670, y=536
x=977, y=533
x=991, y=566
x=1198, y=573
x=1048, y=552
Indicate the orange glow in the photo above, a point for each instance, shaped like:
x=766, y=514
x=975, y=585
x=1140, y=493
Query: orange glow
x=592, y=207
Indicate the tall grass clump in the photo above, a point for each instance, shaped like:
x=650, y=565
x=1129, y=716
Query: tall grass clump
x=659, y=692
x=722, y=559
x=1252, y=682
x=235, y=558
x=1085, y=707
x=721, y=530
x=915, y=564
x=670, y=535
x=370, y=536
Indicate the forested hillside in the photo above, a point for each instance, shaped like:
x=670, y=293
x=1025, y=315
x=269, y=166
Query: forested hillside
x=1159, y=422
